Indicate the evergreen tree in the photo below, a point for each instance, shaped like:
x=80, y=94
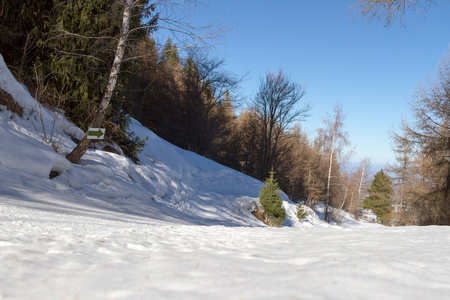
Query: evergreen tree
x=301, y=212
x=63, y=51
x=156, y=93
x=271, y=203
x=170, y=53
x=22, y=24
x=83, y=43
x=380, y=195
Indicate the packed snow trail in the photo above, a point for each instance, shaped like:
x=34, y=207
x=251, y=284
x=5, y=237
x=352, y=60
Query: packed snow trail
x=47, y=255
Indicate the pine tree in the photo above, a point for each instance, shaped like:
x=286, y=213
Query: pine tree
x=271, y=202
x=380, y=195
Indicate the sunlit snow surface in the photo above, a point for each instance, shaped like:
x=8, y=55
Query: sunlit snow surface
x=47, y=255
x=178, y=226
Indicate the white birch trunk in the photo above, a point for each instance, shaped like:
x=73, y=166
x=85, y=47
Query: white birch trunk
x=82, y=146
x=361, y=180
x=346, y=192
x=327, y=218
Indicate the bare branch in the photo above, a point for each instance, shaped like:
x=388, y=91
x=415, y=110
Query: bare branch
x=389, y=11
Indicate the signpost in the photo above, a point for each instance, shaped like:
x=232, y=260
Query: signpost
x=96, y=133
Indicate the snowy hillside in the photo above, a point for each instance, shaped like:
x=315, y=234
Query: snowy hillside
x=169, y=184
x=108, y=228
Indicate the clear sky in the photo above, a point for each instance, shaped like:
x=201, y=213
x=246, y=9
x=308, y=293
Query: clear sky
x=372, y=70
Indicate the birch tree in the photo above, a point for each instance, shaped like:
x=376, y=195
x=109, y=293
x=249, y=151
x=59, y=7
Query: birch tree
x=176, y=27
x=82, y=146
x=347, y=186
x=334, y=139
x=362, y=179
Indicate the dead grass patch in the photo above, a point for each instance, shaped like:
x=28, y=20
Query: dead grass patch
x=7, y=100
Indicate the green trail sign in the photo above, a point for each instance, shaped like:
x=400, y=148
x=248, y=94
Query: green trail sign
x=96, y=133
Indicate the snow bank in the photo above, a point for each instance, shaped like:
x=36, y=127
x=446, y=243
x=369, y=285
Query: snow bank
x=16, y=144
x=168, y=184
x=9, y=84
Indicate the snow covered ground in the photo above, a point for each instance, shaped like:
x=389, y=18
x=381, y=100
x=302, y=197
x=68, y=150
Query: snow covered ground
x=48, y=255
x=178, y=226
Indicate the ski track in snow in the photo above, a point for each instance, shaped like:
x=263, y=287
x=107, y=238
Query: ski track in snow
x=178, y=226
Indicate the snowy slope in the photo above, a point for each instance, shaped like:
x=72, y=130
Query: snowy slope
x=169, y=184
x=110, y=229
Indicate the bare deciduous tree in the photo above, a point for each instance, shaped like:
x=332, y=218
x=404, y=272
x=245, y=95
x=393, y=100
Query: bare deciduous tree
x=389, y=11
x=206, y=86
x=275, y=105
x=403, y=149
x=429, y=133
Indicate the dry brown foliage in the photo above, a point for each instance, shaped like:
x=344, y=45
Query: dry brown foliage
x=7, y=100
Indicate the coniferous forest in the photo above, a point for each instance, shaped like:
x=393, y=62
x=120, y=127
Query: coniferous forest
x=64, y=51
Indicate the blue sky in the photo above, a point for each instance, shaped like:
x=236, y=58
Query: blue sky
x=372, y=70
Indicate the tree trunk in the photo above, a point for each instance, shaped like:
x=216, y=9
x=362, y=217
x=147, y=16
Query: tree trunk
x=353, y=211
x=345, y=194
x=82, y=146
x=447, y=185
x=327, y=217
x=361, y=180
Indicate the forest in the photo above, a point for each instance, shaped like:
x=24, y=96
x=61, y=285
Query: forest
x=101, y=64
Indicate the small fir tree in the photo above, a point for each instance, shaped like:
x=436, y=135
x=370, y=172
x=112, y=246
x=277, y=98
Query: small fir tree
x=272, y=205
x=301, y=212
x=380, y=195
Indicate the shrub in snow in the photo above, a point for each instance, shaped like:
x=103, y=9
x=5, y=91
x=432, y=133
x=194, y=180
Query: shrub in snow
x=301, y=212
x=338, y=216
x=271, y=203
x=259, y=214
